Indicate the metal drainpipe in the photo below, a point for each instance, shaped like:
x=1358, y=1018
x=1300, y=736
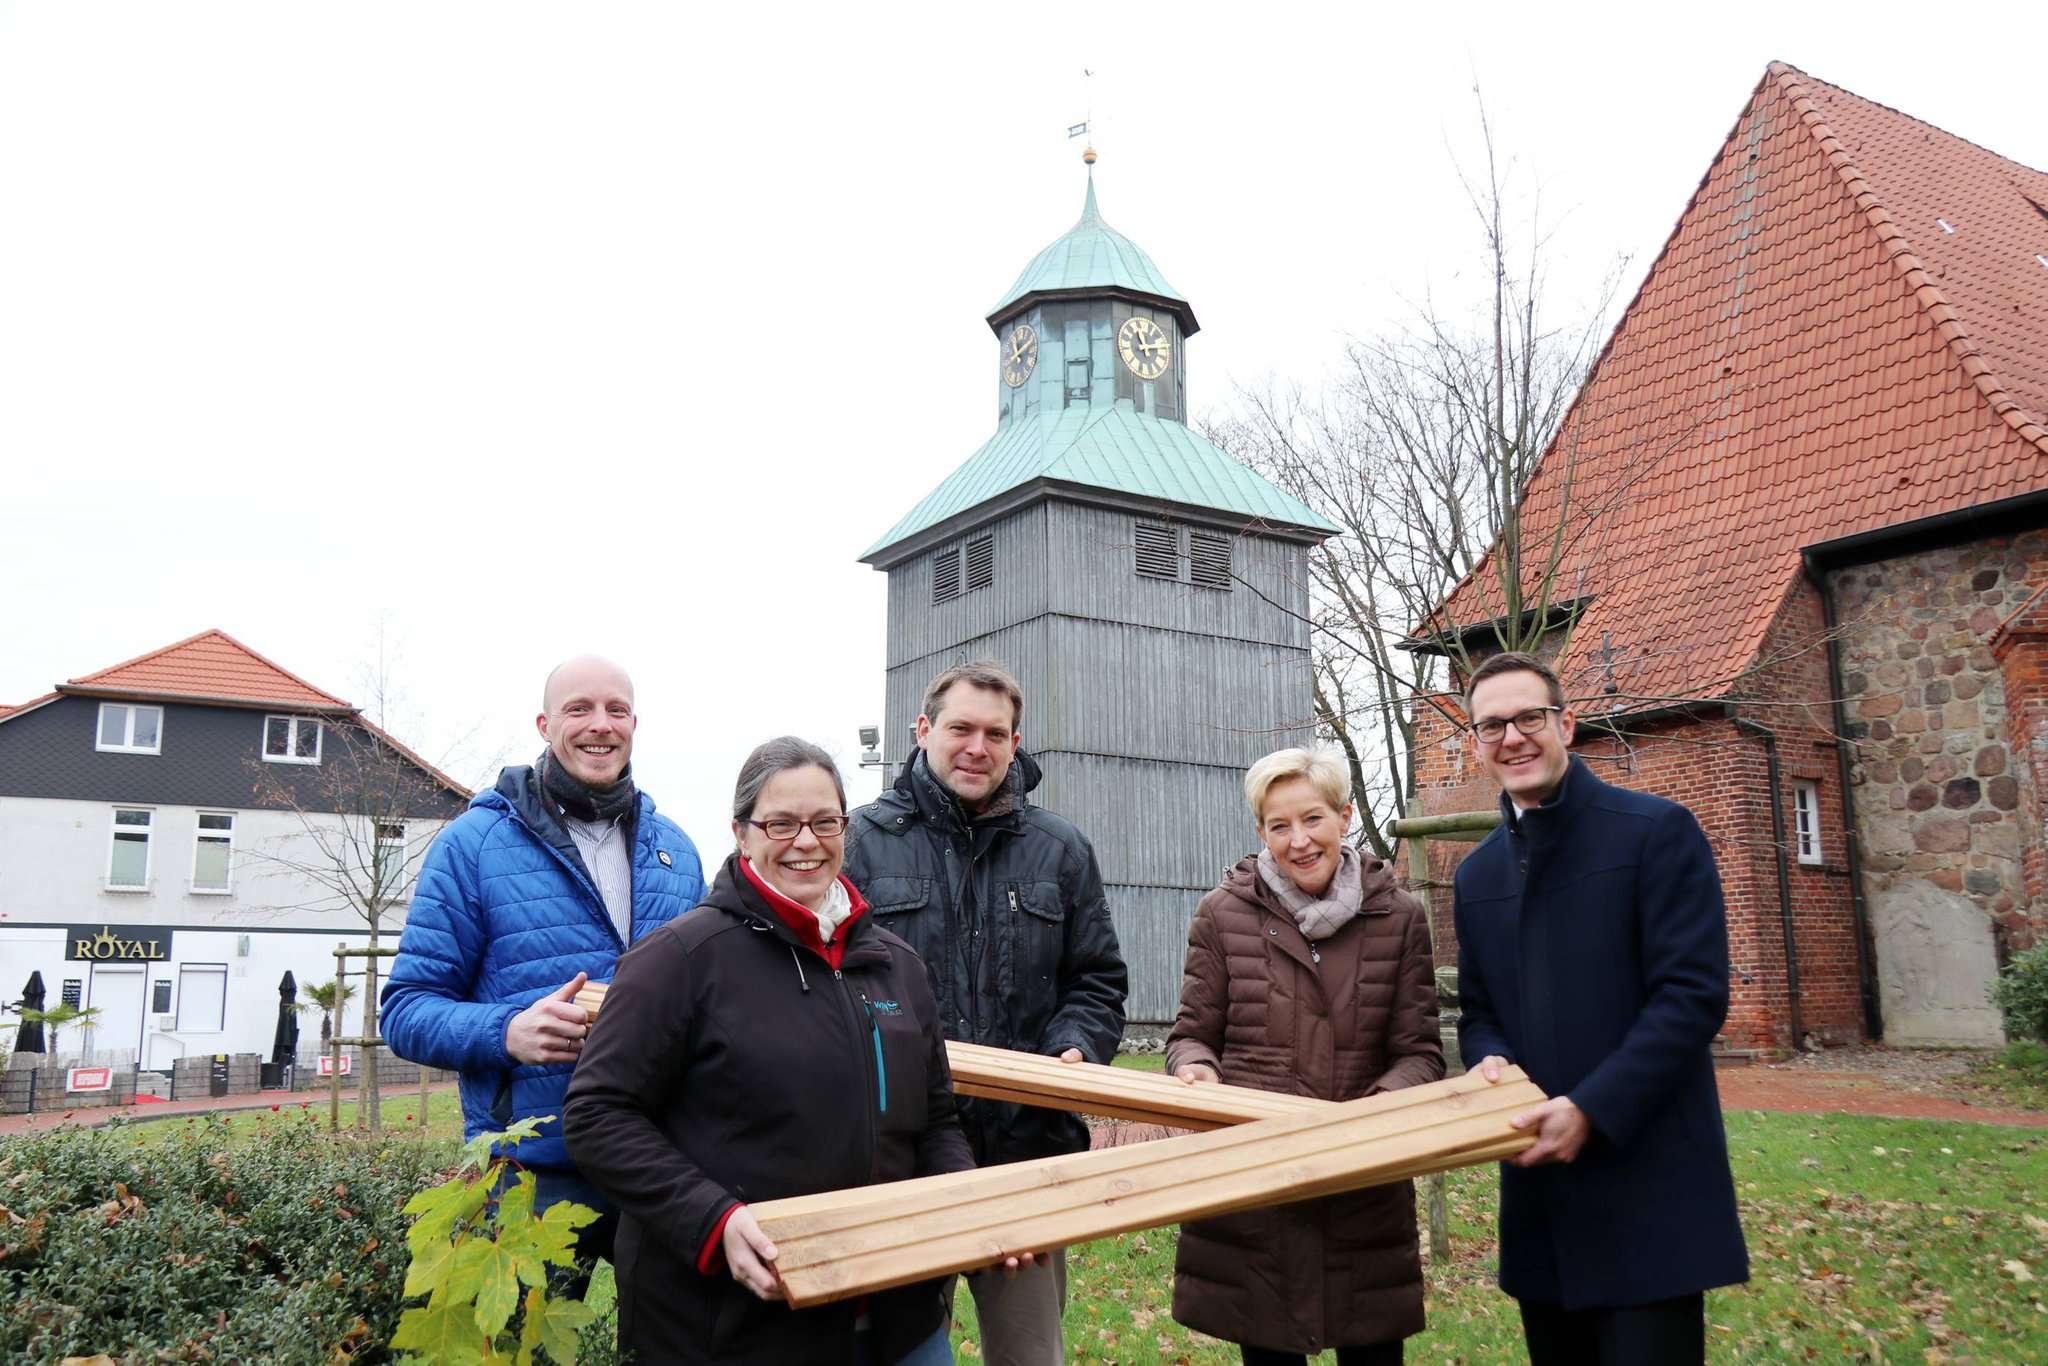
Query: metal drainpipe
x=1873, y=1015
x=1770, y=739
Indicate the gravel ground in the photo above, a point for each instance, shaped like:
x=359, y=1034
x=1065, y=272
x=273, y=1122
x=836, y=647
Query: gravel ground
x=1931, y=1070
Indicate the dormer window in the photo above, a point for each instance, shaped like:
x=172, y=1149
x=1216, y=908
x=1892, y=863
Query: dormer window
x=291, y=740
x=129, y=729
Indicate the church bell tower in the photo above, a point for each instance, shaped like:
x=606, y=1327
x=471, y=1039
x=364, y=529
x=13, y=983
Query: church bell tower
x=1148, y=591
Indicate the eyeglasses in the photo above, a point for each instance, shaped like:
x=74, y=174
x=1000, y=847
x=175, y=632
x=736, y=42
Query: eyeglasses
x=783, y=828
x=1528, y=722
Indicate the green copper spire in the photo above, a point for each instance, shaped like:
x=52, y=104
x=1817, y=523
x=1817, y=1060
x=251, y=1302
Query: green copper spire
x=1080, y=419
x=1093, y=256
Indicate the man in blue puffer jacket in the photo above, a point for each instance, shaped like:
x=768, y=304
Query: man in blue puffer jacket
x=537, y=888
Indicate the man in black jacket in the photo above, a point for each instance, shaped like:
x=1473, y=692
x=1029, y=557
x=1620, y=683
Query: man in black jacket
x=1003, y=901
x=1593, y=951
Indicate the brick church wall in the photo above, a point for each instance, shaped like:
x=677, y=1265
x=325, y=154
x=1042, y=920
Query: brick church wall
x=1721, y=773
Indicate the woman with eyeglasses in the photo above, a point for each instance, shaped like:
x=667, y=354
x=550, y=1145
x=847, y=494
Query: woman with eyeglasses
x=773, y=1042
x=1308, y=971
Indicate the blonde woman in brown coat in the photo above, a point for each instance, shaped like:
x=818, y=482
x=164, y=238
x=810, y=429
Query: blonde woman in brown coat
x=1308, y=971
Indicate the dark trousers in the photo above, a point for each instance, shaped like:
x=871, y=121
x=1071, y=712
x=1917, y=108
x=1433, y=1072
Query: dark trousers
x=1665, y=1333
x=1372, y=1354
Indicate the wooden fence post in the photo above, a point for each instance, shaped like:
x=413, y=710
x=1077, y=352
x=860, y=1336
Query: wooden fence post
x=1417, y=830
x=334, y=1042
x=1436, y=1186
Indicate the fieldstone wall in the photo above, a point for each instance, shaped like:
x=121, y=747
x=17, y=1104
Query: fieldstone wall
x=1939, y=795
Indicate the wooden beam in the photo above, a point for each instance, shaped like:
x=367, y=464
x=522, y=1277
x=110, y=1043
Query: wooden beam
x=1119, y=1092
x=853, y=1242
x=1091, y=1088
x=1452, y=825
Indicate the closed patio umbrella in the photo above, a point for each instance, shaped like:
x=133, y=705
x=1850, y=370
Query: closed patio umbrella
x=286, y=1046
x=30, y=1037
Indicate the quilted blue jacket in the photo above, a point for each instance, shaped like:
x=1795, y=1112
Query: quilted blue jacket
x=504, y=913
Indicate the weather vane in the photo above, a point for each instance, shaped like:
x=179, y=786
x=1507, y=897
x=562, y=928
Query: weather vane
x=1075, y=130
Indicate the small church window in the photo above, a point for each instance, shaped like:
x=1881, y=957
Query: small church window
x=946, y=575
x=1208, y=559
x=981, y=562
x=1158, y=551
x=1077, y=379
x=1806, y=820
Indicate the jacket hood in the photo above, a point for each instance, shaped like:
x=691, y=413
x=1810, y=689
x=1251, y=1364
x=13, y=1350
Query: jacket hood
x=1377, y=885
x=518, y=791
x=919, y=787
x=733, y=893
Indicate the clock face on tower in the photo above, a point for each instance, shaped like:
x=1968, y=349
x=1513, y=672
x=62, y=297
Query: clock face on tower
x=1144, y=347
x=1020, y=355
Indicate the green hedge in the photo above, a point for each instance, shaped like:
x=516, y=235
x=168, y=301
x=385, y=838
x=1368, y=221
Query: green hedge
x=285, y=1244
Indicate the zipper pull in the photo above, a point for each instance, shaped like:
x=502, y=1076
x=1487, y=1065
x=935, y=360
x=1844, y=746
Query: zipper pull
x=1015, y=909
x=1314, y=956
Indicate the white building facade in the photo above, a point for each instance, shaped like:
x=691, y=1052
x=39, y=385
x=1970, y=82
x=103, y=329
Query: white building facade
x=178, y=832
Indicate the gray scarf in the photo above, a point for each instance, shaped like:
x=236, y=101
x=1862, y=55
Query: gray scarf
x=1319, y=918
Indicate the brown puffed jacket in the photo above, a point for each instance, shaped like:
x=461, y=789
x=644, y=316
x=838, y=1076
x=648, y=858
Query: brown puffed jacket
x=1352, y=1015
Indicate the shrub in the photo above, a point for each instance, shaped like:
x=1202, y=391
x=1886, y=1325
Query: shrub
x=2021, y=991
x=283, y=1244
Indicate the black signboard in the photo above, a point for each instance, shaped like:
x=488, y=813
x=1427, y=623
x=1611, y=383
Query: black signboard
x=160, y=996
x=117, y=944
x=217, y=1076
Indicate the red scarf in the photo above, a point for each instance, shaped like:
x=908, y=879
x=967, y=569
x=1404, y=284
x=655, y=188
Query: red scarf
x=802, y=923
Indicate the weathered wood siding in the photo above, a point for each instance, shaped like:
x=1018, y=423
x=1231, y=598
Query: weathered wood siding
x=1152, y=930
x=1093, y=575
x=1161, y=694
x=1145, y=700
x=920, y=629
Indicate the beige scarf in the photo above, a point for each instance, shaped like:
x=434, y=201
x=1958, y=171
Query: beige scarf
x=1319, y=917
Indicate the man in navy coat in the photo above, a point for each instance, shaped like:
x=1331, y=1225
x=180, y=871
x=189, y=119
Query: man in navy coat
x=1593, y=952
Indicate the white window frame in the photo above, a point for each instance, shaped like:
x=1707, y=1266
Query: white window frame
x=127, y=745
x=148, y=829
x=201, y=835
x=1806, y=821
x=291, y=755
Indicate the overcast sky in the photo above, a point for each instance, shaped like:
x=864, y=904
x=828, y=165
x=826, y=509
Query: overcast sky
x=534, y=329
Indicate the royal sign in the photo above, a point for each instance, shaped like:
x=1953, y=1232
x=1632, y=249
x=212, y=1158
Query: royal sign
x=89, y=1079
x=327, y=1064
x=116, y=944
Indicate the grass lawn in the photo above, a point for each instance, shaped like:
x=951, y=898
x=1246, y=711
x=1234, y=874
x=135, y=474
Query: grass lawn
x=400, y=1114
x=1870, y=1239
x=2018, y=1077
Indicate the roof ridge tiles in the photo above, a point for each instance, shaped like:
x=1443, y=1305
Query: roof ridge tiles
x=104, y=679
x=1933, y=300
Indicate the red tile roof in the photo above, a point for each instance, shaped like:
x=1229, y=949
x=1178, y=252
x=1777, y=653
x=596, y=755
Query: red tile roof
x=212, y=666
x=7, y=710
x=1812, y=356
